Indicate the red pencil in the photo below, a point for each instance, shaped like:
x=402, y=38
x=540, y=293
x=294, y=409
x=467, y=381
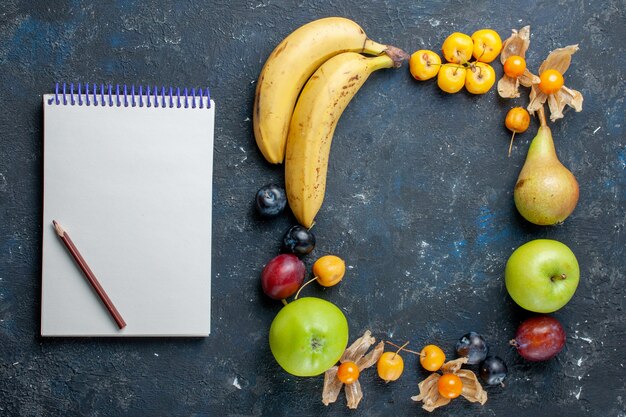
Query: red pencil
x=89, y=274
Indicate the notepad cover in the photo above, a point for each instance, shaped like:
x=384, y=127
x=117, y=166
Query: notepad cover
x=132, y=186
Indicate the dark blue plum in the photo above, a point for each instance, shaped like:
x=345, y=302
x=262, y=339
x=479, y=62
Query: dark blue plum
x=492, y=370
x=271, y=200
x=298, y=240
x=473, y=347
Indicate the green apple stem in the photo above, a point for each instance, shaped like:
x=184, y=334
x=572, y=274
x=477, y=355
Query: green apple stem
x=558, y=277
x=304, y=285
x=284, y=301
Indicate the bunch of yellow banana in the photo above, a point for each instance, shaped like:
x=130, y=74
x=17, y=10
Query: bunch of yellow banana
x=300, y=122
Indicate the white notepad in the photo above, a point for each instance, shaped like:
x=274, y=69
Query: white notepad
x=128, y=174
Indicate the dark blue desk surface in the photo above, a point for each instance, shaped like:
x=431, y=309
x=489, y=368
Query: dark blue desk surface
x=419, y=203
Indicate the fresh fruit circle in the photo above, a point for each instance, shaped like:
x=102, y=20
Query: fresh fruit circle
x=294, y=119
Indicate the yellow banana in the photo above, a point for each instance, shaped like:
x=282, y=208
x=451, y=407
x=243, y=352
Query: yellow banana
x=289, y=66
x=323, y=100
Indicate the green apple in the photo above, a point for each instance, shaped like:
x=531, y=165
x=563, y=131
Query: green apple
x=308, y=336
x=542, y=275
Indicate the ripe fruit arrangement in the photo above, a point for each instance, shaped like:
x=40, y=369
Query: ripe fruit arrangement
x=541, y=275
x=289, y=67
x=295, y=116
x=293, y=122
x=458, y=49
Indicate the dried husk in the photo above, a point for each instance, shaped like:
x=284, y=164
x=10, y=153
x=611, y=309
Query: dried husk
x=452, y=367
x=429, y=392
x=332, y=386
x=528, y=79
x=516, y=44
x=358, y=348
x=537, y=98
x=472, y=390
x=559, y=60
x=372, y=357
x=356, y=353
x=354, y=394
x=508, y=87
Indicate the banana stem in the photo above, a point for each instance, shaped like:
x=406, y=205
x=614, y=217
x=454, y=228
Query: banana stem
x=397, y=55
x=380, y=62
x=371, y=47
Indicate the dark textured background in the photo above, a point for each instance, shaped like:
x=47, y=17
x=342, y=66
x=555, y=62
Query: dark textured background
x=419, y=203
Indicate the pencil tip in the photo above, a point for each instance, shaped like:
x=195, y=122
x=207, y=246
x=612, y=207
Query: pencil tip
x=58, y=228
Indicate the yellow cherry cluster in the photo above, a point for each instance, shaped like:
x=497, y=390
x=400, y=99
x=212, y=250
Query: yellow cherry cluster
x=458, y=72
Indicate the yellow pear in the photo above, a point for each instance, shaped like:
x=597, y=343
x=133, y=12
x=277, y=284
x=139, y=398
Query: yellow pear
x=546, y=192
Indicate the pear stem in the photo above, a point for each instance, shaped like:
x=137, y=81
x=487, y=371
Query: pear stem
x=542, y=117
x=558, y=277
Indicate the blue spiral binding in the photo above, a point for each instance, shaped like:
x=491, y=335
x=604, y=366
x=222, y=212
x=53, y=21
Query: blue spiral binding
x=149, y=96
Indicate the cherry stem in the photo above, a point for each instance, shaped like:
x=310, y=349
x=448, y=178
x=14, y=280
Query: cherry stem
x=284, y=301
x=473, y=67
x=542, y=116
x=513, y=342
x=558, y=277
x=511, y=144
x=304, y=285
x=483, y=52
x=401, y=347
